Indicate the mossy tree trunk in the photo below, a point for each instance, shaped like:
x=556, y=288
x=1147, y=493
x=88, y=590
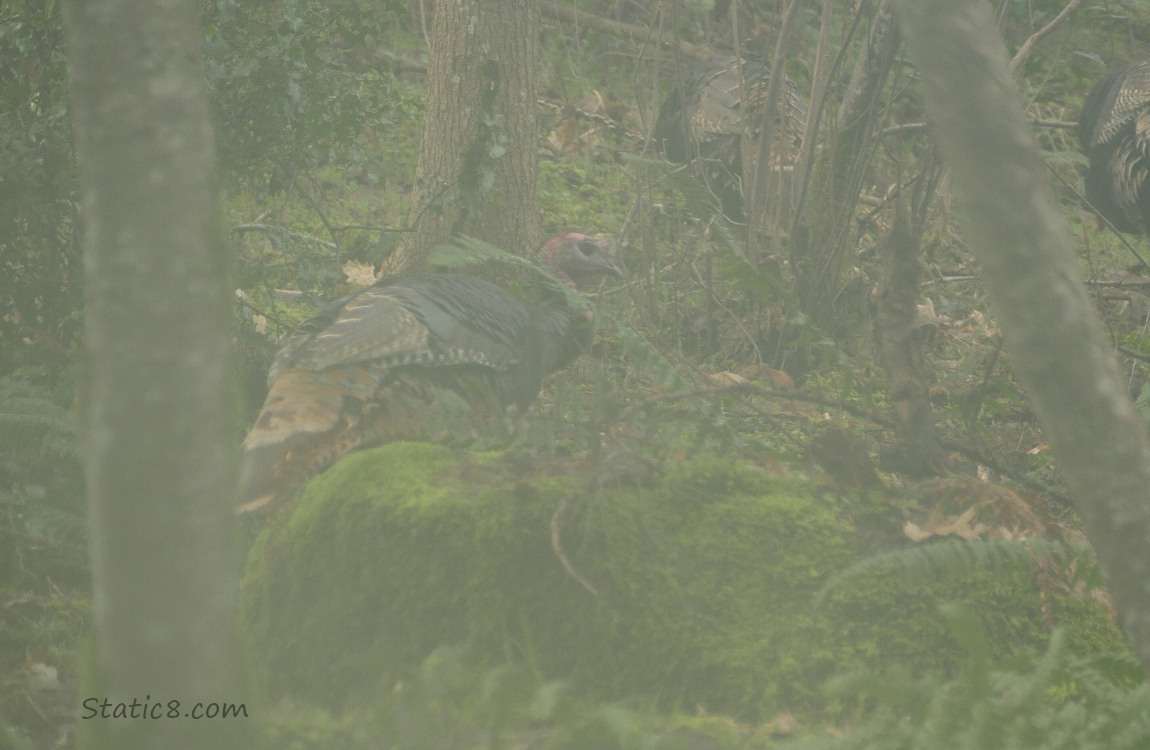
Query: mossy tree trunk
x=478, y=161
x=159, y=424
x=1056, y=341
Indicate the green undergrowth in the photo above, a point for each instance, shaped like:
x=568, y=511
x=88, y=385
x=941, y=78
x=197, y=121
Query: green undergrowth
x=692, y=592
x=588, y=193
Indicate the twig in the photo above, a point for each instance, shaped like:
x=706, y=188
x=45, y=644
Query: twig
x=1038, y=122
x=972, y=454
x=557, y=544
x=401, y=63
x=1134, y=355
x=1133, y=250
x=1027, y=47
x=243, y=302
x=583, y=18
x=1119, y=284
x=273, y=229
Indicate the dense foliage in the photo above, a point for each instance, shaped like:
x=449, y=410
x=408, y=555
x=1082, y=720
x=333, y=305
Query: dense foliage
x=317, y=121
x=291, y=88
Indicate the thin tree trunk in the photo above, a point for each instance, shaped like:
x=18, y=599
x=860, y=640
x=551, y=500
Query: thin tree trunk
x=1053, y=333
x=900, y=349
x=478, y=161
x=159, y=425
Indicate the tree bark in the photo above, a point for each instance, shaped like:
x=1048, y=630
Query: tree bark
x=478, y=160
x=900, y=349
x=1053, y=333
x=160, y=441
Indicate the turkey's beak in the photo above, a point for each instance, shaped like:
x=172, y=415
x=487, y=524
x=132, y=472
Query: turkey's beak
x=612, y=266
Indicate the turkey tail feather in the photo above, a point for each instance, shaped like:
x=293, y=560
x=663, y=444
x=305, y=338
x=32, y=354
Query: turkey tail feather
x=301, y=407
x=440, y=357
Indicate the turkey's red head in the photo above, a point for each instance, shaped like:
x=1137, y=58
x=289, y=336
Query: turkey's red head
x=580, y=261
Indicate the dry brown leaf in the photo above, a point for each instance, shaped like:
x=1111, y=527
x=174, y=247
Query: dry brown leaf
x=914, y=532
x=783, y=723
x=926, y=316
x=593, y=103
x=726, y=379
x=570, y=137
x=771, y=378
x=963, y=526
x=40, y=676
x=358, y=273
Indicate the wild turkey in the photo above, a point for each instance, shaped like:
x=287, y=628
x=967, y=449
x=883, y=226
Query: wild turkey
x=701, y=122
x=436, y=357
x=1114, y=128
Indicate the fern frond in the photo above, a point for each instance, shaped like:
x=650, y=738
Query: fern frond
x=461, y=252
x=1143, y=402
x=645, y=358
x=29, y=415
x=951, y=558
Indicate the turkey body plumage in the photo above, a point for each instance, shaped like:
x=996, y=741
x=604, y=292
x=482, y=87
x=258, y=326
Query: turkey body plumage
x=440, y=357
x=702, y=122
x=1114, y=129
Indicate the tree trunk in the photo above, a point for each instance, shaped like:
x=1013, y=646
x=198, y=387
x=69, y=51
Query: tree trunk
x=1053, y=333
x=901, y=351
x=160, y=442
x=478, y=162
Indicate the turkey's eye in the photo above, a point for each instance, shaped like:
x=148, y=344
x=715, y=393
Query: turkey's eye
x=588, y=248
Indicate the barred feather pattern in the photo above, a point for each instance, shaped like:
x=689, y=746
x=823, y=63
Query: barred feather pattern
x=703, y=119
x=1114, y=130
x=444, y=357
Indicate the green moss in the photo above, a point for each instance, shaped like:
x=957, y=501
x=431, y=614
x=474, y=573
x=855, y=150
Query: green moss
x=385, y=558
x=585, y=192
x=705, y=583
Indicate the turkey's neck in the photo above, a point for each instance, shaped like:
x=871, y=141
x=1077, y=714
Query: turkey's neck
x=566, y=331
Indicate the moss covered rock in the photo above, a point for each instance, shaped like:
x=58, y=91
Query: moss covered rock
x=704, y=581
